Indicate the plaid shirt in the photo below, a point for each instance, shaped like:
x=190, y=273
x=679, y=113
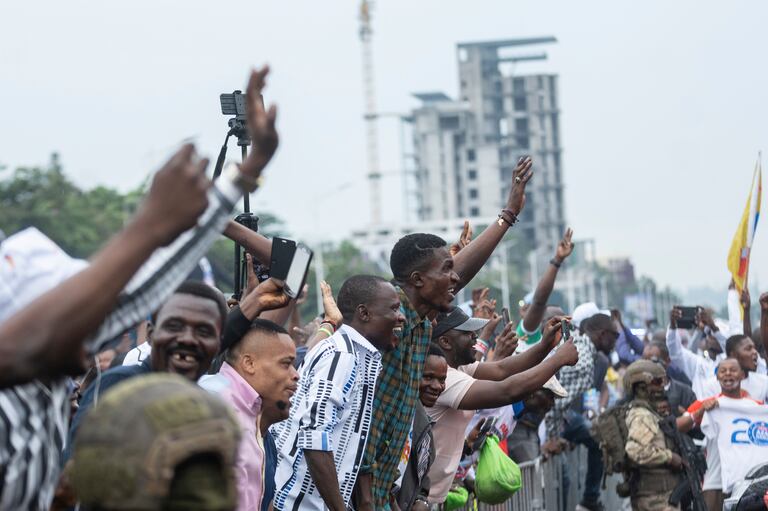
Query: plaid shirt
x=576, y=380
x=394, y=403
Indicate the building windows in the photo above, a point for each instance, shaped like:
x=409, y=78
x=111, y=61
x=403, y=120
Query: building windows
x=449, y=123
x=520, y=103
x=474, y=211
x=473, y=193
x=472, y=174
x=470, y=155
x=518, y=86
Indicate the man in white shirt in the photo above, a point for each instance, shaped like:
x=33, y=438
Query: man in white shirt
x=474, y=385
x=321, y=445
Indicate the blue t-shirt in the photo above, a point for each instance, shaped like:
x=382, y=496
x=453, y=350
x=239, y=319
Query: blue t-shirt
x=270, y=468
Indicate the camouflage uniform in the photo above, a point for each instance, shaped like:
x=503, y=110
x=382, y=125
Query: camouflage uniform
x=157, y=442
x=648, y=449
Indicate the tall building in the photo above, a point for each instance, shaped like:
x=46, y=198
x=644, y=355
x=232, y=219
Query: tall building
x=467, y=148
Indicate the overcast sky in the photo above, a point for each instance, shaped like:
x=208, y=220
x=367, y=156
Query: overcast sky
x=663, y=104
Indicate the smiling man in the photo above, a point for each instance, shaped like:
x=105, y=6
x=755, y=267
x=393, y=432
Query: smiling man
x=321, y=444
x=185, y=335
x=258, y=370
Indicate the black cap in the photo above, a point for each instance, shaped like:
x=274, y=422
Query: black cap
x=457, y=319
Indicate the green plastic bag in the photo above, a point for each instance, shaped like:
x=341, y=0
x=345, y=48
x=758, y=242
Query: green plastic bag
x=457, y=498
x=497, y=477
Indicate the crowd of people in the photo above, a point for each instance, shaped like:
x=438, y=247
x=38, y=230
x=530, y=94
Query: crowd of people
x=127, y=386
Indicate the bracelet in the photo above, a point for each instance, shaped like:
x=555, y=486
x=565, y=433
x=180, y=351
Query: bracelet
x=507, y=216
x=482, y=346
x=327, y=331
x=555, y=263
x=330, y=322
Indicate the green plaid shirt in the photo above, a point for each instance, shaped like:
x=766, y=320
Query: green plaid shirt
x=394, y=404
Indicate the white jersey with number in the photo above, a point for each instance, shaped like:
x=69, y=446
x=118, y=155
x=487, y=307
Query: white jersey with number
x=740, y=429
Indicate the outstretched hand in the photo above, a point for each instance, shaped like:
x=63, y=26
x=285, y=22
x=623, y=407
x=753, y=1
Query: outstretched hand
x=266, y=296
x=520, y=177
x=565, y=246
x=261, y=125
x=177, y=197
x=330, y=309
x=464, y=239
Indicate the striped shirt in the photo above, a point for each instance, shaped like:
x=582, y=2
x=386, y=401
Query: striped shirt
x=394, y=404
x=330, y=412
x=34, y=417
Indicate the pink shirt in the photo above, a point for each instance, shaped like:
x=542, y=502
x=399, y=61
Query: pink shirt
x=246, y=403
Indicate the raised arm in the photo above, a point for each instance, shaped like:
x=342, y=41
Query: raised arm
x=684, y=359
x=256, y=244
x=45, y=339
x=494, y=394
x=472, y=257
x=502, y=369
x=764, y=320
x=746, y=305
x=535, y=312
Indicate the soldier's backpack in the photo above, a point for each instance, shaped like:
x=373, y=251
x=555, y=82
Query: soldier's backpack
x=610, y=431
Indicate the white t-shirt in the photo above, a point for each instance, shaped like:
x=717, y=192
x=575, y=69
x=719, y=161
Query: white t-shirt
x=138, y=354
x=740, y=429
x=449, y=430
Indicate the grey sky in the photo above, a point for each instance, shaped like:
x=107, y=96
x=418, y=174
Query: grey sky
x=663, y=104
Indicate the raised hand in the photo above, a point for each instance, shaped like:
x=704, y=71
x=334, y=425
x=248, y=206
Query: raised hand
x=746, y=300
x=268, y=295
x=464, y=239
x=674, y=315
x=565, y=246
x=330, y=309
x=552, y=334
x=520, y=177
x=764, y=301
x=261, y=125
x=487, y=332
x=506, y=342
x=177, y=197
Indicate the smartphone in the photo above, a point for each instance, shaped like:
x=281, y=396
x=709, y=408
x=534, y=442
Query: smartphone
x=290, y=263
x=687, y=320
x=297, y=274
x=504, y=317
x=566, y=328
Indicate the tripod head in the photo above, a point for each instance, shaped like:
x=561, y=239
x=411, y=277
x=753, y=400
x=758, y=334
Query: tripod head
x=234, y=104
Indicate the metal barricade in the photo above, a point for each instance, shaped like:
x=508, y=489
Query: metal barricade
x=543, y=485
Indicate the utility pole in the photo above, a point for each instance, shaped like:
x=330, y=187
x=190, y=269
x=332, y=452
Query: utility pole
x=370, y=116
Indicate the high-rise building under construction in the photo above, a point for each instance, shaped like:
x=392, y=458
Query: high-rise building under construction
x=466, y=148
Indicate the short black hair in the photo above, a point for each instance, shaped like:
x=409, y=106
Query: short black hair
x=662, y=347
x=411, y=252
x=435, y=350
x=356, y=290
x=732, y=344
x=263, y=326
x=596, y=322
x=203, y=290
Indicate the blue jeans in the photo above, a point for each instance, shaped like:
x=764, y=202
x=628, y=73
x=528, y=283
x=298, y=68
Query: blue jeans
x=577, y=432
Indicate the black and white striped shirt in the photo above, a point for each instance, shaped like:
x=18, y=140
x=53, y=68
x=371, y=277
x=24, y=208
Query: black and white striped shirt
x=330, y=412
x=34, y=417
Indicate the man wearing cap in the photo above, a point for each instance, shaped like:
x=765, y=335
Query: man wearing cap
x=474, y=385
x=596, y=339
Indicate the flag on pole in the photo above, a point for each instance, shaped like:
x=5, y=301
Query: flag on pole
x=738, y=257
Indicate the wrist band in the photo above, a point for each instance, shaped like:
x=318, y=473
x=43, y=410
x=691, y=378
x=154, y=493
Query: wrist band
x=555, y=263
x=327, y=331
x=507, y=216
x=482, y=346
x=330, y=322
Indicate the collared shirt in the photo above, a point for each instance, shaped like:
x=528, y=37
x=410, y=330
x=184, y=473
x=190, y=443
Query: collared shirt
x=331, y=412
x=33, y=416
x=576, y=380
x=246, y=403
x=394, y=403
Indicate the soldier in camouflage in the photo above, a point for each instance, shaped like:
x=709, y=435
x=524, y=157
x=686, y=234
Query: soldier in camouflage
x=656, y=466
x=156, y=442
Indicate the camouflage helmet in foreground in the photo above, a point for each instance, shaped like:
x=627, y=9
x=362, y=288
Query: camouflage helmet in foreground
x=157, y=442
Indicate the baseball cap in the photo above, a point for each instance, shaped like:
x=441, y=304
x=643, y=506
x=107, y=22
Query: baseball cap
x=586, y=311
x=553, y=384
x=457, y=319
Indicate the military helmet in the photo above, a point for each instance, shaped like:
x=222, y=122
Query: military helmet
x=642, y=371
x=157, y=442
